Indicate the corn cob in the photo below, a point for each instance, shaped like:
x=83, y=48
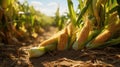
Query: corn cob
x=105, y=35
x=63, y=40
x=84, y=33
x=51, y=40
x=58, y=37
x=112, y=27
x=70, y=28
x=51, y=44
x=71, y=34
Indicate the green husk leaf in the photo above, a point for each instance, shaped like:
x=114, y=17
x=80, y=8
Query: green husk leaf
x=80, y=4
x=75, y=45
x=39, y=51
x=112, y=42
x=36, y=51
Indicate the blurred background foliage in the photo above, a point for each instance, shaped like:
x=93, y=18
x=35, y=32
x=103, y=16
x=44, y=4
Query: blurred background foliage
x=20, y=20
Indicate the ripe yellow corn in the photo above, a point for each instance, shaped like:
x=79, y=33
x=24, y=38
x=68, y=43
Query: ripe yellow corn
x=112, y=27
x=83, y=36
x=51, y=40
x=101, y=38
x=63, y=40
x=84, y=33
x=70, y=29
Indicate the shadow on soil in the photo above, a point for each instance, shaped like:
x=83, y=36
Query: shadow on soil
x=107, y=57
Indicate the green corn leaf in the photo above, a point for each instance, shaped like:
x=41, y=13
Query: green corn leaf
x=32, y=20
x=113, y=9
x=83, y=11
x=111, y=42
x=71, y=11
x=80, y=4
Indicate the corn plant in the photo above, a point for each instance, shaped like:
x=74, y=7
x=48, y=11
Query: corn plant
x=19, y=20
x=96, y=25
x=5, y=24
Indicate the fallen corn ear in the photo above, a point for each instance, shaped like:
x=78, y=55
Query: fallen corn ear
x=70, y=29
x=92, y=35
x=84, y=33
x=52, y=39
x=63, y=40
x=49, y=41
x=106, y=33
x=100, y=39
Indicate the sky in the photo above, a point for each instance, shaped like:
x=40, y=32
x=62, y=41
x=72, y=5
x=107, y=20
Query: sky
x=49, y=7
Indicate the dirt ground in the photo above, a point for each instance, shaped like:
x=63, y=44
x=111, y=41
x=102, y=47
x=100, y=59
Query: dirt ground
x=109, y=57
x=16, y=55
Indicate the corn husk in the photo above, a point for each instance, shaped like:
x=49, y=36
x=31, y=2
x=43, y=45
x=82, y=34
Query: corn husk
x=39, y=51
x=71, y=34
x=36, y=51
x=106, y=34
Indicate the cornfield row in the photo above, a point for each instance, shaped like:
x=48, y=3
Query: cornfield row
x=96, y=25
